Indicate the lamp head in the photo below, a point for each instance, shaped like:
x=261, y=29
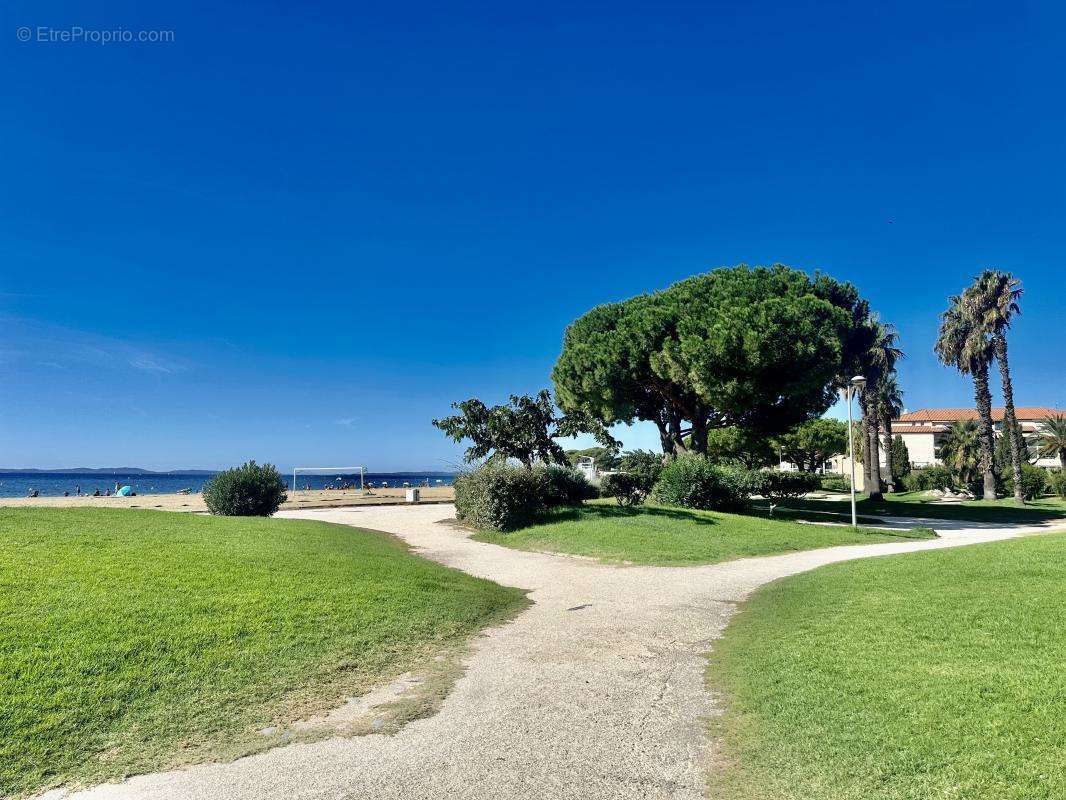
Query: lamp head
x=859, y=382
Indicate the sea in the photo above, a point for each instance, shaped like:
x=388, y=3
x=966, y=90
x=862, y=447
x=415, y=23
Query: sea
x=57, y=484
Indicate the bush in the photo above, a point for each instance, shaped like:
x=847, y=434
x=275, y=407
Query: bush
x=784, y=485
x=1056, y=482
x=627, y=489
x=836, y=483
x=928, y=478
x=1034, y=482
x=901, y=458
x=562, y=486
x=249, y=490
x=643, y=465
x=498, y=498
x=693, y=482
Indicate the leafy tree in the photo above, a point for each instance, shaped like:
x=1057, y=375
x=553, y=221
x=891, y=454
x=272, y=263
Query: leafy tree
x=525, y=429
x=1051, y=438
x=811, y=444
x=901, y=461
x=962, y=345
x=961, y=451
x=756, y=348
x=644, y=465
x=734, y=445
x=992, y=302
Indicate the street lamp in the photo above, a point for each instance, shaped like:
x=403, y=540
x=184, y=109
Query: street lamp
x=856, y=385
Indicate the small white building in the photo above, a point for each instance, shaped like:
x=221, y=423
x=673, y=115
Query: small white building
x=587, y=466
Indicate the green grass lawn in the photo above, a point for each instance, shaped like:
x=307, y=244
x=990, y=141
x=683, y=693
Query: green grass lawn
x=914, y=504
x=136, y=640
x=676, y=536
x=930, y=675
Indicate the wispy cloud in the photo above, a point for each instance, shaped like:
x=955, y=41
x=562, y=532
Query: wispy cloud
x=347, y=422
x=149, y=364
x=56, y=347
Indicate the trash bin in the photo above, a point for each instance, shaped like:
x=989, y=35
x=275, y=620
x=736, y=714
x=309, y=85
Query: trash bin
x=413, y=495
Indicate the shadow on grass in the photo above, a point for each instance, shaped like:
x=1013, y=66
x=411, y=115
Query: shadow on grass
x=611, y=512
x=904, y=508
x=607, y=512
x=792, y=514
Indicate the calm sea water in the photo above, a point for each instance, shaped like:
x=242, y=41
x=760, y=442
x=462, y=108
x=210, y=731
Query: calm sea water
x=54, y=484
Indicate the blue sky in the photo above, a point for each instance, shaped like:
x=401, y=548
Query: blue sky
x=297, y=232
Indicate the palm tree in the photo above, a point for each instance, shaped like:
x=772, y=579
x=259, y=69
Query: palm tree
x=960, y=450
x=878, y=362
x=889, y=406
x=962, y=346
x=1051, y=438
x=992, y=302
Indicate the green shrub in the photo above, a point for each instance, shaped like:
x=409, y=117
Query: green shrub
x=1056, y=481
x=644, y=465
x=836, y=483
x=562, y=486
x=1034, y=481
x=784, y=485
x=498, y=498
x=901, y=458
x=693, y=482
x=625, y=488
x=925, y=479
x=249, y=490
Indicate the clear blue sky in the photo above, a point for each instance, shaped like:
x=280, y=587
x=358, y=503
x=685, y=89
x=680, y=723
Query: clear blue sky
x=297, y=232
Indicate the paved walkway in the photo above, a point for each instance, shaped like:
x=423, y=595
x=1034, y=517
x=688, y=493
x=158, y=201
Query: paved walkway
x=596, y=691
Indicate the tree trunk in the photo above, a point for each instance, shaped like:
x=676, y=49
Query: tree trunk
x=983, y=397
x=1010, y=421
x=890, y=479
x=665, y=439
x=867, y=478
x=874, y=490
x=675, y=433
x=698, y=437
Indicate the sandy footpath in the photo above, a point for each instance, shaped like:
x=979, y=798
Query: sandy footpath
x=316, y=498
x=596, y=691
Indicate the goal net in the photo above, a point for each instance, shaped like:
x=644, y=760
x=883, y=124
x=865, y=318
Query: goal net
x=329, y=477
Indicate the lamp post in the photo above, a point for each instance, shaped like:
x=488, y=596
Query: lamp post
x=856, y=385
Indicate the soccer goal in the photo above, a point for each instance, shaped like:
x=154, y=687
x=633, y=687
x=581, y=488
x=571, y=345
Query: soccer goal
x=340, y=472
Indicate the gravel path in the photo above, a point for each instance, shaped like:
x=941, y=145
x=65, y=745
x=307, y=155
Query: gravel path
x=596, y=691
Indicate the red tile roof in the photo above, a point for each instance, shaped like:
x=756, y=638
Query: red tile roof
x=955, y=414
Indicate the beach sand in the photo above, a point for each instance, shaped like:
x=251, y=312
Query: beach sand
x=315, y=498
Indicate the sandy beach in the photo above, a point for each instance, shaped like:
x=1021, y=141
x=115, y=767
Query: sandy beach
x=315, y=498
